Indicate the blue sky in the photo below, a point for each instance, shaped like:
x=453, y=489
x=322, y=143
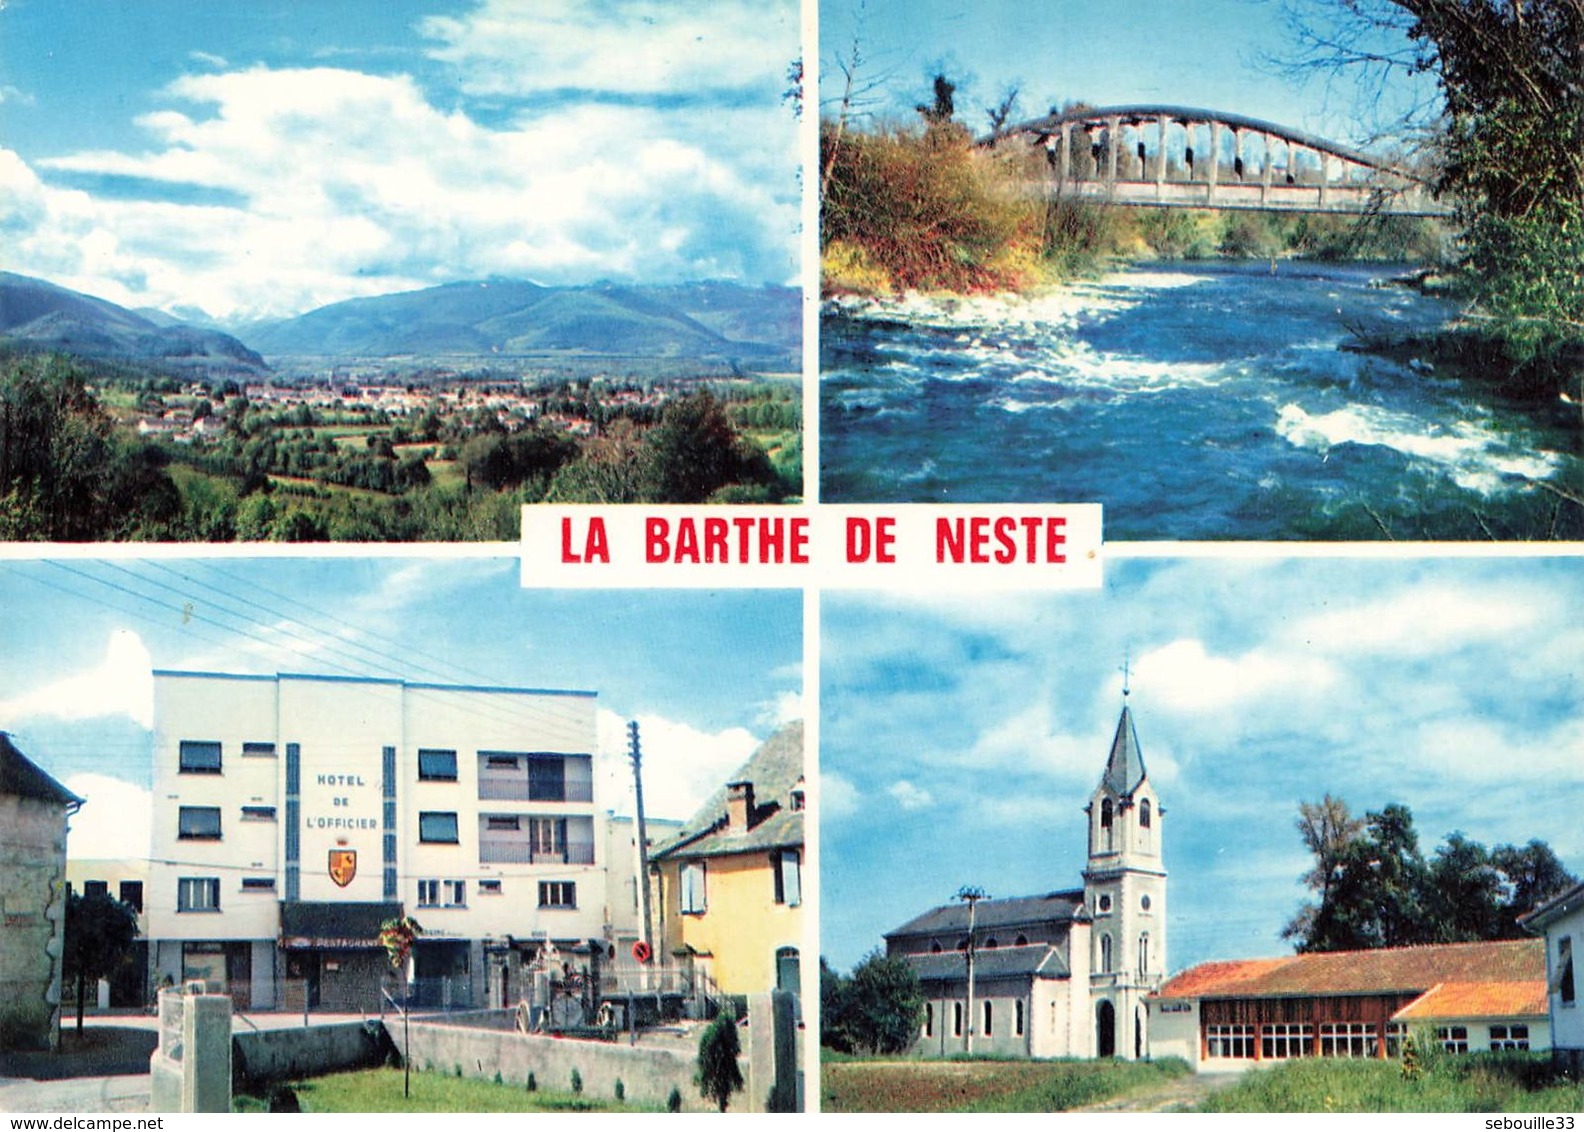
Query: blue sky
x=708, y=676
x=1208, y=54
x=962, y=737
x=262, y=158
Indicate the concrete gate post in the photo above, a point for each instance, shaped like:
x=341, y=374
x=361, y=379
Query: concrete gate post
x=772, y=1084
x=190, y=1070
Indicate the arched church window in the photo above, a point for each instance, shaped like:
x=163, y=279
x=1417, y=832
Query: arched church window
x=935, y=946
x=987, y=1030
x=929, y=1019
x=1017, y=1018
x=962, y=943
x=957, y=1019
x=1105, y=953
x=991, y=943
x=1144, y=814
x=1143, y=965
x=1021, y=941
x=1106, y=813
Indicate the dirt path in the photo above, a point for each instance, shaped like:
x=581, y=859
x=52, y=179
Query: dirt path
x=1181, y=1094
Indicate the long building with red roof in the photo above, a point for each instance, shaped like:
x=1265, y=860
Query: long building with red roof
x=1471, y=996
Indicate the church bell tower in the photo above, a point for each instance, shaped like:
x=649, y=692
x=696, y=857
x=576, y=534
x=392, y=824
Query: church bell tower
x=1125, y=892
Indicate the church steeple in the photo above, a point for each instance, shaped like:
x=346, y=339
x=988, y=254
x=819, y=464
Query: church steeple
x=1125, y=891
x=1125, y=768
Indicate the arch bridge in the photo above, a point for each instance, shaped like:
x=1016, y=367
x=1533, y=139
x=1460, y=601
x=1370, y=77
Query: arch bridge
x=1180, y=157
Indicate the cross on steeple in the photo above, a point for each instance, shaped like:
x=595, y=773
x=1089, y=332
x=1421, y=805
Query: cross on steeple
x=1126, y=668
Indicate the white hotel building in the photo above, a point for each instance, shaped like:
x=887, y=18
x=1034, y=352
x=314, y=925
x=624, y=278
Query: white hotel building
x=292, y=814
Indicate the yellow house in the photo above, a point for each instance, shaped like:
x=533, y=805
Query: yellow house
x=730, y=885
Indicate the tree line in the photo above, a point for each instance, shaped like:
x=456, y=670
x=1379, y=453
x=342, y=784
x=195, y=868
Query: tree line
x=1374, y=887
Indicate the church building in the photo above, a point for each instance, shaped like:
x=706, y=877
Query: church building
x=1066, y=973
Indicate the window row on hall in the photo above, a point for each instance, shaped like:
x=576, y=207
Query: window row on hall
x=1275, y=1041
x=516, y=776
x=130, y=891
x=987, y=1018
x=444, y=893
x=786, y=870
x=206, y=756
x=520, y=839
x=202, y=894
x=202, y=823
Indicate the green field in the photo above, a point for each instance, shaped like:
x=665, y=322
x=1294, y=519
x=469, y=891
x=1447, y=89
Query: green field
x=960, y=1085
x=380, y=1090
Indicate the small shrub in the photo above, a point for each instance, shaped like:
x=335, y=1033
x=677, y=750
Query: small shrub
x=621, y=1090
x=577, y=1082
x=456, y=1070
x=718, y=1076
x=674, y=1100
x=499, y=1080
x=533, y=1082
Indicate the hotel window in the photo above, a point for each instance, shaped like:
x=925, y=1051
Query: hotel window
x=455, y=893
x=788, y=877
x=437, y=828
x=259, y=750
x=1454, y=1039
x=1347, y=1039
x=437, y=766
x=198, y=757
x=198, y=823
x=428, y=894
x=132, y=893
x=1509, y=1037
x=258, y=884
x=546, y=780
x=694, y=901
x=1229, y=1041
x=258, y=813
x=489, y=888
x=96, y=888
x=198, y=894
x=557, y=894
x=1286, y=1040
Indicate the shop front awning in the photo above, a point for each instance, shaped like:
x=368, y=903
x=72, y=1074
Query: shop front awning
x=343, y=926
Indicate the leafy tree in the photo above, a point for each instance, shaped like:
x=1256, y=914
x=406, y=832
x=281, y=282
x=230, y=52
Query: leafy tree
x=100, y=934
x=718, y=1075
x=694, y=451
x=877, y=1010
x=1376, y=889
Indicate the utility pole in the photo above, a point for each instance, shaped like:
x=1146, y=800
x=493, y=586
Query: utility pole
x=635, y=752
x=971, y=894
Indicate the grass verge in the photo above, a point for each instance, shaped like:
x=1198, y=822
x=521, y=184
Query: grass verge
x=380, y=1090
x=1473, y=1083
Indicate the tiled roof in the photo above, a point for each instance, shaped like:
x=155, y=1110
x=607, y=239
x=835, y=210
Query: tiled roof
x=1058, y=907
x=773, y=769
x=992, y=963
x=1478, y=1000
x=21, y=777
x=1384, y=971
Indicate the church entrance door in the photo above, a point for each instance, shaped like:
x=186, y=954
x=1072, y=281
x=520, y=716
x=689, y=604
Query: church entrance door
x=1105, y=1030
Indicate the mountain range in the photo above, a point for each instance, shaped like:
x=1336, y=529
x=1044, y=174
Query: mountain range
x=712, y=324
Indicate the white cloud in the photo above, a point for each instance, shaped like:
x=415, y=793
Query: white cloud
x=909, y=796
x=350, y=184
x=682, y=766
x=120, y=684
x=628, y=46
x=838, y=797
x=1185, y=676
x=1422, y=621
x=114, y=820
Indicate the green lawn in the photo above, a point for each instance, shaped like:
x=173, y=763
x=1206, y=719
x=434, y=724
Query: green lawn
x=380, y=1090
x=1477, y=1083
x=960, y=1085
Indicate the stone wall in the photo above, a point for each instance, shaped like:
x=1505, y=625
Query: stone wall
x=32, y=920
x=263, y=1056
x=647, y=1073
